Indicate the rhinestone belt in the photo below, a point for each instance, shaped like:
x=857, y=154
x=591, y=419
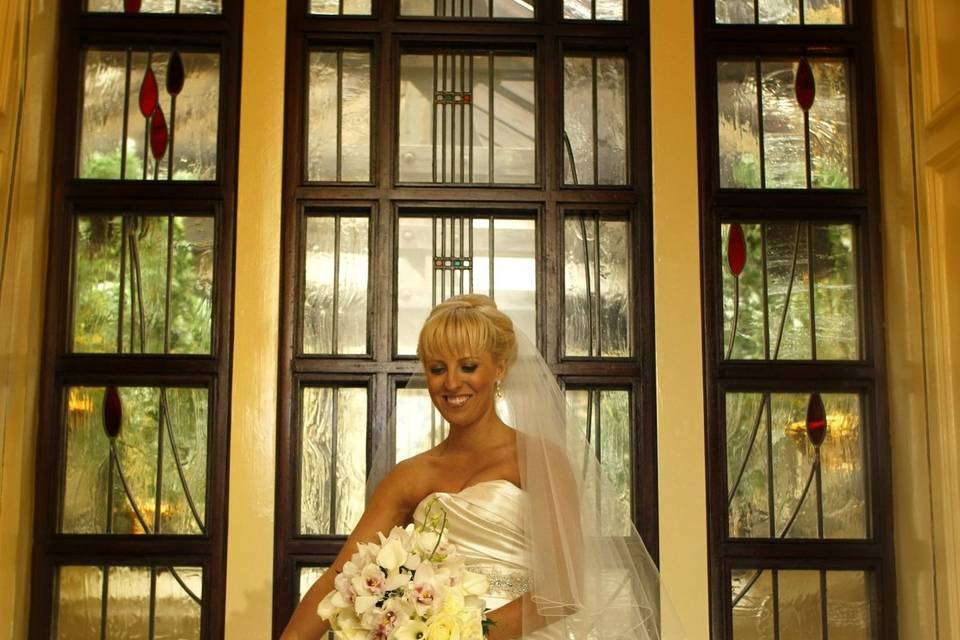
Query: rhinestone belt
x=512, y=584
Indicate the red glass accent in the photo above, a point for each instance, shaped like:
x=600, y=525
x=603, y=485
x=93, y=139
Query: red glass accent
x=112, y=412
x=132, y=6
x=805, y=85
x=175, y=74
x=149, y=100
x=736, y=250
x=159, y=136
x=816, y=420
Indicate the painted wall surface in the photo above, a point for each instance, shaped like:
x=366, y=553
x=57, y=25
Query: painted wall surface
x=919, y=96
x=27, y=58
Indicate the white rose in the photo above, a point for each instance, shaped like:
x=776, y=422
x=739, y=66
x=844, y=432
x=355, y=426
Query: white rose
x=453, y=601
x=443, y=626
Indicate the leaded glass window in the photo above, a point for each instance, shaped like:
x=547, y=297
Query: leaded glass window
x=506, y=9
x=776, y=12
x=209, y=7
x=593, y=9
x=340, y=7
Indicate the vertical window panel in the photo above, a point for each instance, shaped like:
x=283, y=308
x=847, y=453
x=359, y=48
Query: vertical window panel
x=332, y=459
x=449, y=255
x=780, y=12
x=775, y=469
x=597, y=305
x=510, y=9
x=766, y=140
x=603, y=416
x=336, y=279
x=178, y=140
x=794, y=294
x=208, y=7
x=95, y=602
x=341, y=7
x=339, y=116
x=111, y=484
x=593, y=10
x=142, y=284
x=467, y=118
x=595, y=120
x=753, y=605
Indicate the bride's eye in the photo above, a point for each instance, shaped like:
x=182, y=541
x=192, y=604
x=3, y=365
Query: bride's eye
x=436, y=370
x=468, y=368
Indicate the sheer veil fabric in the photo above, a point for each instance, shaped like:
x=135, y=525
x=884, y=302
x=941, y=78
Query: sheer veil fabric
x=590, y=574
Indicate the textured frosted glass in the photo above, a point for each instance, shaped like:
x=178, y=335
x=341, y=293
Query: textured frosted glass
x=335, y=285
x=177, y=614
x=738, y=124
x=512, y=9
x=780, y=12
x=783, y=137
x=786, y=300
x=89, y=506
x=453, y=129
x=510, y=277
x=799, y=606
x=77, y=616
x=342, y=7
x=96, y=286
x=824, y=11
x=158, y=6
x=333, y=459
x=597, y=297
x=193, y=124
x=578, y=120
x=419, y=426
x=794, y=480
x=831, y=159
x=753, y=613
x=309, y=575
x=850, y=607
x=128, y=603
x=611, y=120
x=191, y=287
x=339, y=89
x=602, y=10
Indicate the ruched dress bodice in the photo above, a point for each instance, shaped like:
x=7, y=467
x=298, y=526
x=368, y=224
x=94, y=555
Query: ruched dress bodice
x=485, y=523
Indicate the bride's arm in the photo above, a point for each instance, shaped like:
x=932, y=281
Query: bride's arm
x=389, y=506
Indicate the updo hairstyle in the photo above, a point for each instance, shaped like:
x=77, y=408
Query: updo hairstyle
x=468, y=323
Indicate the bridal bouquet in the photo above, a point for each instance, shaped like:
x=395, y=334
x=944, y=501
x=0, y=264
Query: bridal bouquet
x=412, y=585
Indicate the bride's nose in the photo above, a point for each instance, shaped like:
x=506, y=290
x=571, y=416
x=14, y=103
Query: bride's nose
x=452, y=380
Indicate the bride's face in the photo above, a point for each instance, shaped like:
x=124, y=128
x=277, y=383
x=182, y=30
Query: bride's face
x=463, y=386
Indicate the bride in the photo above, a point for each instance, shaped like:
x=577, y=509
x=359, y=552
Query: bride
x=526, y=504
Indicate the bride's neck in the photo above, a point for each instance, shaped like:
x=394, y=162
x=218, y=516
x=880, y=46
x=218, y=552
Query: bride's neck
x=490, y=433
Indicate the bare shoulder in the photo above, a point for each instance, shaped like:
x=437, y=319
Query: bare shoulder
x=406, y=483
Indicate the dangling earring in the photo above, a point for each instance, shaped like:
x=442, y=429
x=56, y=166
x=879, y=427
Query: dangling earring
x=499, y=389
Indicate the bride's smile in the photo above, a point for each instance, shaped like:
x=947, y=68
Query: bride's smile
x=463, y=386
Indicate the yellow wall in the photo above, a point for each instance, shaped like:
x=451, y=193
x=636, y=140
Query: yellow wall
x=24, y=215
x=919, y=108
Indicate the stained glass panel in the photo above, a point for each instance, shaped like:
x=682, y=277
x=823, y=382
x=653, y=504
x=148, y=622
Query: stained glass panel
x=209, y=7
x=445, y=256
x=775, y=468
x=510, y=9
x=593, y=10
x=336, y=278
x=467, y=118
x=332, y=459
x=341, y=7
x=111, y=484
x=780, y=12
x=339, y=116
x=178, y=135
x=795, y=296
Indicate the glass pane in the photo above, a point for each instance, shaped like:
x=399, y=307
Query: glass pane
x=579, y=118
x=128, y=603
x=468, y=259
x=734, y=11
x=309, y=575
x=799, y=605
x=111, y=486
x=419, y=426
x=158, y=6
x=604, y=419
x=597, y=301
x=808, y=501
x=512, y=9
x=338, y=122
x=593, y=9
x=177, y=613
x=79, y=593
x=611, y=120
x=175, y=603
x=117, y=141
x=136, y=273
x=775, y=286
x=783, y=130
x=824, y=12
x=341, y=7
x=780, y=12
x=454, y=129
x=849, y=605
x=753, y=604
x=336, y=272
x=332, y=459
x=831, y=159
x=738, y=124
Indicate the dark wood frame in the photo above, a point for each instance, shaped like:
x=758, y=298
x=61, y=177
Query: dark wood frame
x=859, y=206
x=60, y=368
x=385, y=32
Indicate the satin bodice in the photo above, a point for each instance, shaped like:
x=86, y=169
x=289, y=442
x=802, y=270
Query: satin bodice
x=485, y=523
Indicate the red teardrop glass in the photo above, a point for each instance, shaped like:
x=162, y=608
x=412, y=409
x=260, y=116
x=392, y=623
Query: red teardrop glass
x=149, y=98
x=805, y=85
x=112, y=412
x=132, y=6
x=736, y=250
x=816, y=420
x=175, y=74
x=159, y=136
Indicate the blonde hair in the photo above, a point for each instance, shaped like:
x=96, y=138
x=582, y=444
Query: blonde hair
x=468, y=323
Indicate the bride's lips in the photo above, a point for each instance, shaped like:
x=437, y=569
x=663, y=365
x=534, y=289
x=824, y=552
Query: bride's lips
x=457, y=401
